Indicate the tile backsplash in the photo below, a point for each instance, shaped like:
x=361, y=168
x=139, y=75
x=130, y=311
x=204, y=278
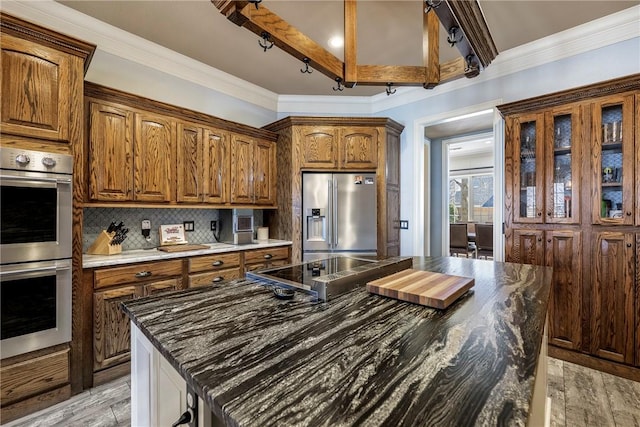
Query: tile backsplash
x=98, y=219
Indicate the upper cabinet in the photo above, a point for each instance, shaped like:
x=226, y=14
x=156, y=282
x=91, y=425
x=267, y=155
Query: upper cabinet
x=329, y=147
x=612, y=160
x=546, y=159
x=139, y=153
x=41, y=81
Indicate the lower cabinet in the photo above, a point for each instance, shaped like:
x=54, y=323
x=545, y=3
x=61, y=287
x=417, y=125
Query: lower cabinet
x=208, y=269
x=562, y=250
x=613, y=283
x=112, y=286
x=266, y=258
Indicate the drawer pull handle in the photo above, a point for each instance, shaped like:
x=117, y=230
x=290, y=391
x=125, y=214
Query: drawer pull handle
x=268, y=256
x=217, y=263
x=217, y=279
x=143, y=274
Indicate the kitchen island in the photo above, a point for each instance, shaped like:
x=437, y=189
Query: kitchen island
x=359, y=359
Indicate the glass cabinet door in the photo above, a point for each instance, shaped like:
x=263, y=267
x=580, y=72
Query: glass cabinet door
x=562, y=161
x=612, y=160
x=528, y=168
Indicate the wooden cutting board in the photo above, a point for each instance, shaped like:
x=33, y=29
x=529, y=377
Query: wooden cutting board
x=435, y=290
x=181, y=248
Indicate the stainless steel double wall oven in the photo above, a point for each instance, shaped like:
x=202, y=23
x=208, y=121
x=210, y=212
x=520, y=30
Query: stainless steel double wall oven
x=35, y=250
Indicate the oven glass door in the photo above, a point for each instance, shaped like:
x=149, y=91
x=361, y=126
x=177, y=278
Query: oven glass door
x=35, y=217
x=35, y=301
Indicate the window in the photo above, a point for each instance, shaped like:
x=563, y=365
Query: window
x=470, y=196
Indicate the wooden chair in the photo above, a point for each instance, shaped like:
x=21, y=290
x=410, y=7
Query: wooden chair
x=458, y=240
x=484, y=240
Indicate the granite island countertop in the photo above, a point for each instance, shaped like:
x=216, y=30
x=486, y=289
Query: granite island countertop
x=153, y=254
x=359, y=359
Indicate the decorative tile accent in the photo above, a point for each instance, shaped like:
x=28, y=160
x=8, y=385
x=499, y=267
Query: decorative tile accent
x=98, y=219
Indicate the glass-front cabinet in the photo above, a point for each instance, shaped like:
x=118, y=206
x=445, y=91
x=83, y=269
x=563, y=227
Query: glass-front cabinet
x=613, y=161
x=528, y=168
x=547, y=166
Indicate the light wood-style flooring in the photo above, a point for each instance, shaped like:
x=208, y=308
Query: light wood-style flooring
x=580, y=397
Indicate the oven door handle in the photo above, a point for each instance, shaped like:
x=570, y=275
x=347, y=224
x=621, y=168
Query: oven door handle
x=34, y=182
x=34, y=271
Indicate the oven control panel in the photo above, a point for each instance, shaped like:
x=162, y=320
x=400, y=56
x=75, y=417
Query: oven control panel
x=35, y=161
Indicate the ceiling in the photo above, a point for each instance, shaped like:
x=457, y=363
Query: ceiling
x=389, y=33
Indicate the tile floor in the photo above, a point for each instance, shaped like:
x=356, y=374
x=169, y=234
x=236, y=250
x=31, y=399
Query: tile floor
x=581, y=397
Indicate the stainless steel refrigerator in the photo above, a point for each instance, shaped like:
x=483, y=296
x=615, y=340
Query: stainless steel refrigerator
x=339, y=214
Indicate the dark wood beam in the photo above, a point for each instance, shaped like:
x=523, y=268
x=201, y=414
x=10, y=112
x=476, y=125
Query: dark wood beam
x=471, y=20
x=431, y=48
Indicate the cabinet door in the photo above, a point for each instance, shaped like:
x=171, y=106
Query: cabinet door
x=110, y=152
x=264, y=175
x=526, y=247
x=36, y=90
x=242, y=151
x=528, y=168
x=612, y=296
x=216, y=166
x=612, y=160
x=153, y=162
x=318, y=147
x=563, y=157
x=358, y=148
x=111, y=326
x=189, y=161
x=564, y=254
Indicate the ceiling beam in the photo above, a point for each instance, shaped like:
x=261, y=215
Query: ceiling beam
x=463, y=14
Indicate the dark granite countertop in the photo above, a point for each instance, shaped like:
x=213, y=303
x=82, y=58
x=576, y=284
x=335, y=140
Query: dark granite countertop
x=359, y=359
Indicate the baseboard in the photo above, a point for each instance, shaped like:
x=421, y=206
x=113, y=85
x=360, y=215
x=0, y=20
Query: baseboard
x=33, y=404
x=613, y=368
x=109, y=374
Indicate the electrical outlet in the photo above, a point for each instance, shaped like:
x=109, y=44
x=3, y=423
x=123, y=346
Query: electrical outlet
x=146, y=229
x=189, y=225
x=404, y=224
x=214, y=225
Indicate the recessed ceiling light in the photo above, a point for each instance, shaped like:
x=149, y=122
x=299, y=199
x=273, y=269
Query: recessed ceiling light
x=336, y=41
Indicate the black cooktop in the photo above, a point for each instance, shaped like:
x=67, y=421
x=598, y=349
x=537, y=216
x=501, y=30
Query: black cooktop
x=306, y=272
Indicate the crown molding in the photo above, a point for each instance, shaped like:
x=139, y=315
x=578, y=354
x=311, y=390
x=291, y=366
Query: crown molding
x=614, y=28
x=123, y=44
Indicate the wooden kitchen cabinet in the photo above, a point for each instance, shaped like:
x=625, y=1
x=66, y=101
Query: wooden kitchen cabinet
x=613, y=272
x=208, y=269
x=252, y=171
x=590, y=157
x=112, y=286
x=41, y=79
x=147, y=153
x=328, y=147
x=110, y=152
x=258, y=259
x=202, y=160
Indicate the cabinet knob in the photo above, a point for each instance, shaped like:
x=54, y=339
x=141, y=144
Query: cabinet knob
x=217, y=279
x=549, y=214
x=539, y=239
x=143, y=274
x=268, y=256
x=548, y=240
x=628, y=213
x=539, y=213
x=628, y=245
x=217, y=263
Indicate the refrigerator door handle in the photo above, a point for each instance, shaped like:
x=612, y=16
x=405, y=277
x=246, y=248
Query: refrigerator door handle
x=334, y=214
x=330, y=213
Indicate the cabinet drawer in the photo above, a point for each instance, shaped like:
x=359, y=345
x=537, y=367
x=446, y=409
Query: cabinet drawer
x=261, y=265
x=203, y=279
x=137, y=273
x=266, y=255
x=162, y=286
x=34, y=376
x=214, y=262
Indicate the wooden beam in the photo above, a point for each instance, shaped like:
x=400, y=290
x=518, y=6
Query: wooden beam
x=431, y=48
x=285, y=36
x=471, y=20
x=399, y=75
x=350, y=43
x=452, y=70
